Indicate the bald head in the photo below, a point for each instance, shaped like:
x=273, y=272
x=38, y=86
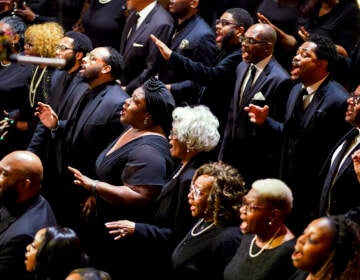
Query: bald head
x=21, y=173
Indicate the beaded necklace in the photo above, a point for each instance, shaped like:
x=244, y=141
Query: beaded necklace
x=264, y=247
x=33, y=88
x=193, y=233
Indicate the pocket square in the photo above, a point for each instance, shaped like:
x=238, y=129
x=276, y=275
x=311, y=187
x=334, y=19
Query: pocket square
x=184, y=44
x=259, y=96
x=136, y=45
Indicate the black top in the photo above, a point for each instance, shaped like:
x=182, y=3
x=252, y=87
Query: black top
x=103, y=23
x=206, y=255
x=270, y=264
x=144, y=161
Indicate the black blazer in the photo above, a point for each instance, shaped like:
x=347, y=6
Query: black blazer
x=244, y=143
x=142, y=58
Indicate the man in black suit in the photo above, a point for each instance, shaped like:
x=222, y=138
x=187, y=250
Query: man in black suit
x=67, y=86
x=23, y=211
x=314, y=122
x=92, y=126
x=221, y=76
x=341, y=188
x=141, y=57
x=192, y=38
x=244, y=143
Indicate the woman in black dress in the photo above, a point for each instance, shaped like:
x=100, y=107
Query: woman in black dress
x=131, y=173
x=267, y=244
x=215, y=197
x=194, y=133
x=13, y=83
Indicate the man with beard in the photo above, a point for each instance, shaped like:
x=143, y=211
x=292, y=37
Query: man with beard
x=23, y=211
x=192, y=38
x=314, y=122
x=340, y=190
x=219, y=78
x=89, y=129
x=67, y=86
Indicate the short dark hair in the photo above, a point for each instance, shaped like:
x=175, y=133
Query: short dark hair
x=241, y=16
x=115, y=60
x=82, y=42
x=325, y=49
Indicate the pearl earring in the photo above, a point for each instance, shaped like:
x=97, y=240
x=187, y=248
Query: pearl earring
x=270, y=223
x=145, y=122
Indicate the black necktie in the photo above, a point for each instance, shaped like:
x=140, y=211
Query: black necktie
x=132, y=23
x=249, y=83
x=333, y=170
x=299, y=105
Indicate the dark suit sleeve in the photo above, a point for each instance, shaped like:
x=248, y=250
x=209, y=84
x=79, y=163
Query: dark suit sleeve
x=205, y=52
x=37, y=144
x=154, y=59
x=12, y=256
x=202, y=74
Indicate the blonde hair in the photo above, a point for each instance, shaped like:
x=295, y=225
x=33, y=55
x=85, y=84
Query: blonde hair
x=44, y=37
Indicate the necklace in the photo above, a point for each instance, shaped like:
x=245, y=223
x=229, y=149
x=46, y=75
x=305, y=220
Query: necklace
x=264, y=247
x=193, y=233
x=179, y=171
x=5, y=64
x=104, y=1
x=33, y=87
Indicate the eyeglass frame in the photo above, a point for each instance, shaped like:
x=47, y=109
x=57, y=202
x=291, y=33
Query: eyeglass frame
x=251, y=207
x=63, y=48
x=224, y=22
x=355, y=98
x=195, y=191
x=251, y=41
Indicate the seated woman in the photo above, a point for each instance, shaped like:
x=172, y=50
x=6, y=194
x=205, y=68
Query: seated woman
x=54, y=252
x=329, y=248
x=194, y=134
x=131, y=171
x=266, y=247
x=215, y=196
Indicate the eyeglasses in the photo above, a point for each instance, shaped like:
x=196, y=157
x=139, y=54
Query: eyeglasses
x=92, y=58
x=62, y=48
x=251, y=41
x=250, y=207
x=355, y=98
x=28, y=45
x=172, y=134
x=195, y=191
x=225, y=22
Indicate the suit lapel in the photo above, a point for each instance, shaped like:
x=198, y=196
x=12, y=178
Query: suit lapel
x=183, y=33
x=87, y=112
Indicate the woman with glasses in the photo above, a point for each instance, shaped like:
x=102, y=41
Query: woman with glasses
x=194, y=133
x=267, y=244
x=215, y=197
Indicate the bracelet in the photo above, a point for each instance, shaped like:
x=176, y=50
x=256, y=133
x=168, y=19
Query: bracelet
x=93, y=187
x=57, y=126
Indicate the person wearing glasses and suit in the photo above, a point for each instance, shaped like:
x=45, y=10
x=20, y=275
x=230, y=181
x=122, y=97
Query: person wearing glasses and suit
x=260, y=80
x=314, y=122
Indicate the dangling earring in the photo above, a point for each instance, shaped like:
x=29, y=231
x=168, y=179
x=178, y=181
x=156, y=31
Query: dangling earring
x=145, y=122
x=270, y=223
